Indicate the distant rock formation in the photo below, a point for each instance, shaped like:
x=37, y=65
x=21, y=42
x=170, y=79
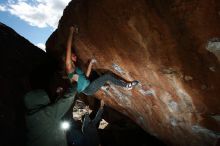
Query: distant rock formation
x=23, y=67
x=171, y=47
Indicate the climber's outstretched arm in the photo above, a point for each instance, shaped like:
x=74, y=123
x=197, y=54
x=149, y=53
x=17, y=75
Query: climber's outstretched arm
x=90, y=67
x=69, y=66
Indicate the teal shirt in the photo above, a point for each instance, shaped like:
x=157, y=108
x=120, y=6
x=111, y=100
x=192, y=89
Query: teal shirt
x=82, y=82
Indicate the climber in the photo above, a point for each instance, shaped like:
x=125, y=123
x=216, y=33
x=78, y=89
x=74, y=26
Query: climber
x=43, y=119
x=75, y=74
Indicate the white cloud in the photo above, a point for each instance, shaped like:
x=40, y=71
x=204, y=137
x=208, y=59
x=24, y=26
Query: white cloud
x=40, y=13
x=41, y=46
x=2, y=8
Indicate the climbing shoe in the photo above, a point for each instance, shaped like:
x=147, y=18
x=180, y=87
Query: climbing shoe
x=130, y=85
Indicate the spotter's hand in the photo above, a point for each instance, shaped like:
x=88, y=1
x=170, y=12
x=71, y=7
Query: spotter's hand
x=102, y=103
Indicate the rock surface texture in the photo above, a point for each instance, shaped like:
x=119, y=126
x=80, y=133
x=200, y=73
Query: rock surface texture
x=171, y=47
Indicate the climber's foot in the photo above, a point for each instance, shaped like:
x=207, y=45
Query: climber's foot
x=132, y=84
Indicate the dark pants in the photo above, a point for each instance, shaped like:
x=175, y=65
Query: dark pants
x=90, y=130
x=99, y=82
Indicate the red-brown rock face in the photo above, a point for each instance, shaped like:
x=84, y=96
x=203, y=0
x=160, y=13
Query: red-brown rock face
x=171, y=47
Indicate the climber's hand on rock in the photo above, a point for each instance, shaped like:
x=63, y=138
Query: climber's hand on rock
x=93, y=61
x=74, y=29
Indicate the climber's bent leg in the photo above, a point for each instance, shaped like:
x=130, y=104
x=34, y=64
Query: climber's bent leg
x=95, y=85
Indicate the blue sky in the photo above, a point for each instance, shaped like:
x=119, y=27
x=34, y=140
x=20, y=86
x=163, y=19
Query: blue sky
x=33, y=19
